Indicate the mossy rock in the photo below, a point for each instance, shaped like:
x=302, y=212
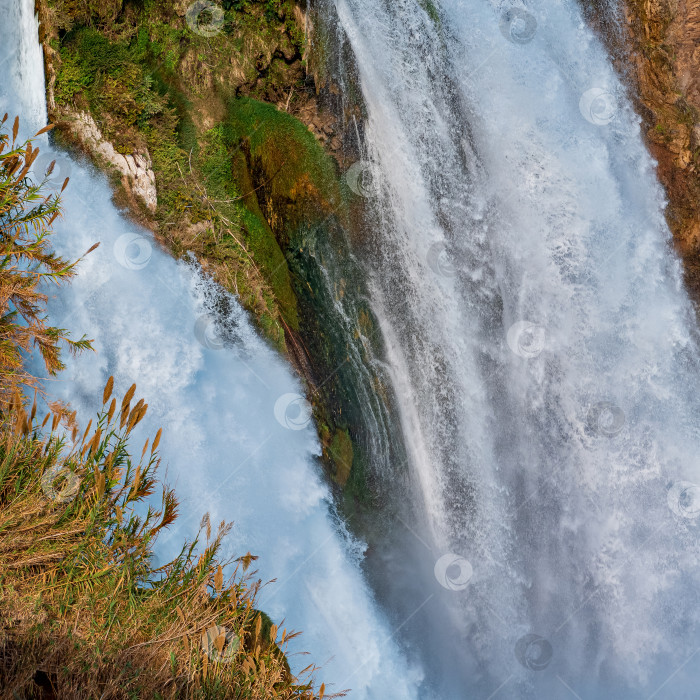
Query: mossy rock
x=430, y=7
x=341, y=452
x=228, y=163
x=299, y=180
x=266, y=250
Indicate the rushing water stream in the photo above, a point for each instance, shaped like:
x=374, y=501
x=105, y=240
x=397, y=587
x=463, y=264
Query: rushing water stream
x=542, y=350
x=237, y=441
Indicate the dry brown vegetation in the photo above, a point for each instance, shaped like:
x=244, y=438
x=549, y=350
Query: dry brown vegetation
x=26, y=215
x=84, y=611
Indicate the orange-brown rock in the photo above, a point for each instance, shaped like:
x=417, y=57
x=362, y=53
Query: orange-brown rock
x=658, y=52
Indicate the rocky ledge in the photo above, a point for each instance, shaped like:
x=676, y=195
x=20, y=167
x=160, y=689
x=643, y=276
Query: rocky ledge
x=135, y=169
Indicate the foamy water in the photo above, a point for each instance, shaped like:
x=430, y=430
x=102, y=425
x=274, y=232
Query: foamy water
x=237, y=439
x=542, y=349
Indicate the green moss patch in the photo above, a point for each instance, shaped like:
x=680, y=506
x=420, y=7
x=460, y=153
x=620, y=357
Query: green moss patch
x=341, y=453
x=298, y=179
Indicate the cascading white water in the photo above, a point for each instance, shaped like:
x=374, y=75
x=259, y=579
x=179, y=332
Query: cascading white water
x=542, y=350
x=233, y=442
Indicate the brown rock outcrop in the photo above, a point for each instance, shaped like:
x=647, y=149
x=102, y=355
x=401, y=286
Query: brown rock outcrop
x=657, y=48
x=135, y=170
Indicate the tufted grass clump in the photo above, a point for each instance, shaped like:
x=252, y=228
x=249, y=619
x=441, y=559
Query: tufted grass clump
x=85, y=613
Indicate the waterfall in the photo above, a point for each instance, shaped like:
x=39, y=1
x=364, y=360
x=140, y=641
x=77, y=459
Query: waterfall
x=542, y=350
x=237, y=438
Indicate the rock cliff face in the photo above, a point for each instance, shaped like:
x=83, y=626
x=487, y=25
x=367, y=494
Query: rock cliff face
x=135, y=170
x=656, y=45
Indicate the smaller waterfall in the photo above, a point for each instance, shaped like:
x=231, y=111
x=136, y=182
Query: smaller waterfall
x=237, y=442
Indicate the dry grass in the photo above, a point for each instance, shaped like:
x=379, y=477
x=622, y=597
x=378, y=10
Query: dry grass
x=84, y=612
x=27, y=262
